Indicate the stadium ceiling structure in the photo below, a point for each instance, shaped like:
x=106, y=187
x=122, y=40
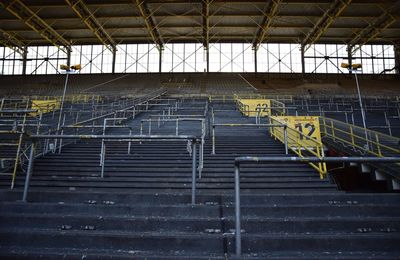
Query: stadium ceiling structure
x=109, y=22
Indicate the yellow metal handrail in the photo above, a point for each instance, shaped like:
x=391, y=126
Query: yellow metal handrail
x=376, y=143
x=70, y=98
x=294, y=137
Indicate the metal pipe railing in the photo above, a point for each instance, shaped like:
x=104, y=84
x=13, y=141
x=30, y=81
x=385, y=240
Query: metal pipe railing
x=177, y=120
x=250, y=125
x=117, y=138
x=247, y=159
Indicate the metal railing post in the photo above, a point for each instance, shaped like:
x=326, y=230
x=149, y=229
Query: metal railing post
x=352, y=135
x=129, y=143
x=177, y=126
x=238, y=235
x=149, y=124
x=285, y=139
x=213, y=139
x=194, y=172
x=378, y=145
x=103, y=155
x=29, y=172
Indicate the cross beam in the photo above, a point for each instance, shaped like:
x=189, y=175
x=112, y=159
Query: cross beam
x=12, y=42
x=150, y=24
x=31, y=19
x=269, y=13
x=81, y=9
x=334, y=11
x=372, y=31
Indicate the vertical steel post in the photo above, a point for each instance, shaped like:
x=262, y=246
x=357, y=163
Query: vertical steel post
x=238, y=238
x=62, y=105
x=362, y=110
x=149, y=123
x=62, y=132
x=303, y=66
x=29, y=172
x=285, y=139
x=103, y=159
x=213, y=139
x=194, y=172
x=129, y=143
x=39, y=124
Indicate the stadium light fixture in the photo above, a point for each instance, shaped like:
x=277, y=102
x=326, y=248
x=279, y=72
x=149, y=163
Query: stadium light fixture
x=68, y=70
x=355, y=68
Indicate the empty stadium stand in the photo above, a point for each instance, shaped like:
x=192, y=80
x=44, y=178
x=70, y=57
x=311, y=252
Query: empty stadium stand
x=143, y=207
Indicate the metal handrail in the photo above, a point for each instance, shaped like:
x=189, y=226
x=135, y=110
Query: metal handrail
x=240, y=160
x=348, y=135
x=117, y=138
x=177, y=120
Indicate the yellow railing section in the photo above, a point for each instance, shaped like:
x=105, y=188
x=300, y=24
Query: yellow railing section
x=44, y=106
x=288, y=98
x=300, y=143
x=223, y=98
x=69, y=98
x=235, y=97
x=373, y=143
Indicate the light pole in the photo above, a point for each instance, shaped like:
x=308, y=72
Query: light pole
x=354, y=68
x=68, y=70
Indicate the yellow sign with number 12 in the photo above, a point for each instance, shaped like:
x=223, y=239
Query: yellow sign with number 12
x=307, y=125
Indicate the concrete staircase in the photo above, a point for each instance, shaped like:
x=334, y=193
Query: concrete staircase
x=142, y=209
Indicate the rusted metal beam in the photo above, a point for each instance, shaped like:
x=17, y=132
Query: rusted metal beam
x=92, y=23
x=11, y=41
x=377, y=26
x=31, y=19
x=150, y=24
x=270, y=12
x=320, y=27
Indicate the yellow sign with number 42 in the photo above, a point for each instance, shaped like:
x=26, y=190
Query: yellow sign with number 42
x=254, y=107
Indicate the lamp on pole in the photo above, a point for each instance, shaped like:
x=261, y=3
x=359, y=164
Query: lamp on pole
x=355, y=68
x=68, y=70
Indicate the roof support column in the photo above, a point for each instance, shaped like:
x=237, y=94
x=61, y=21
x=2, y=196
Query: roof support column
x=397, y=57
x=350, y=56
x=114, y=58
x=24, y=60
x=160, y=51
x=208, y=60
x=255, y=61
x=69, y=57
x=206, y=30
x=303, y=64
